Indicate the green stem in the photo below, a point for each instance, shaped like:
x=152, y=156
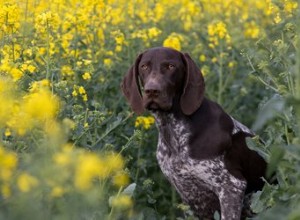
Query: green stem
x=221, y=85
x=110, y=216
x=174, y=200
x=48, y=53
x=139, y=156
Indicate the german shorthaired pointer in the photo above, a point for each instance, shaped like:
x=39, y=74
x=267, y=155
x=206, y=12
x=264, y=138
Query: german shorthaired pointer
x=201, y=149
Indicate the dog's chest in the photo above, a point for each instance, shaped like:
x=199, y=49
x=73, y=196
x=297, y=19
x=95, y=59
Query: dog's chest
x=195, y=180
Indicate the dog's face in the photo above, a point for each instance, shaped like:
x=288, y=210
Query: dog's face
x=160, y=77
x=161, y=74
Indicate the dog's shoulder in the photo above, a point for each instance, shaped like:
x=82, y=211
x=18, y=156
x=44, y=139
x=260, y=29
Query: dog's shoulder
x=211, y=131
x=214, y=133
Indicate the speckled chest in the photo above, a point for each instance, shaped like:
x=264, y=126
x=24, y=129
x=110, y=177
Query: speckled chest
x=200, y=183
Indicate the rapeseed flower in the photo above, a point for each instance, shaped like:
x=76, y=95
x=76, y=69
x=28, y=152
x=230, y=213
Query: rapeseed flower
x=154, y=32
x=67, y=70
x=7, y=100
x=86, y=76
x=144, y=122
x=251, y=30
x=173, y=41
x=90, y=166
x=57, y=191
x=10, y=18
x=47, y=21
x=40, y=105
x=35, y=109
x=5, y=190
x=120, y=179
x=107, y=62
x=8, y=164
x=122, y=201
x=26, y=182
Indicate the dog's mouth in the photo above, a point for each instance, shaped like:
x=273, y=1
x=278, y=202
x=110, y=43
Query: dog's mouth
x=153, y=105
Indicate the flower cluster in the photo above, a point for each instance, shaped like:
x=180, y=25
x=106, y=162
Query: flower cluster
x=21, y=114
x=8, y=165
x=144, y=122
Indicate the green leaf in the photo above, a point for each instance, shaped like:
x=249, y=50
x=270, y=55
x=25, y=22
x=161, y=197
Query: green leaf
x=277, y=154
x=129, y=190
x=253, y=144
x=274, y=106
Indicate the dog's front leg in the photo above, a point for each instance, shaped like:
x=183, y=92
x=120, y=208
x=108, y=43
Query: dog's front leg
x=231, y=202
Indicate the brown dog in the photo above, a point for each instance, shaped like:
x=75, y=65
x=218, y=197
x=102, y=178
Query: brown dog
x=201, y=149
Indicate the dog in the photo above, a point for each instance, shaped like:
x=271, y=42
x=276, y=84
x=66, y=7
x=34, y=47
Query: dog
x=201, y=149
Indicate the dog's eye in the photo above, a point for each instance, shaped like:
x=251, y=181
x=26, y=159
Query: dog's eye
x=170, y=66
x=144, y=67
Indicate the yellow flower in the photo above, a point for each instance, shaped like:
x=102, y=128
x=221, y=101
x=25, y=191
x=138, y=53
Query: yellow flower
x=231, y=64
x=290, y=6
x=87, y=62
x=115, y=162
x=118, y=48
x=277, y=19
x=81, y=90
x=119, y=37
x=107, y=62
x=38, y=85
x=16, y=74
x=89, y=166
x=57, y=191
x=62, y=158
x=173, y=41
x=217, y=29
x=144, y=122
x=121, y=202
x=74, y=93
x=7, y=132
x=66, y=70
x=251, y=30
x=10, y=15
x=120, y=179
x=41, y=105
x=154, y=32
x=5, y=190
x=205, y=70
x=8, y=163
x=27, y=66
x=7, y=101
x=159, y=11
x=86, y=76
x=47, y=21
x=26, y=182
x=202, y=58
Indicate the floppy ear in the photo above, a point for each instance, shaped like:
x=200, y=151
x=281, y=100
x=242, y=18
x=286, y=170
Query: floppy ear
x=131, y=89
x=193, y=91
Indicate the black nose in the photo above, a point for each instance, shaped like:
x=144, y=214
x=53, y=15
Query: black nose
x=152, y=89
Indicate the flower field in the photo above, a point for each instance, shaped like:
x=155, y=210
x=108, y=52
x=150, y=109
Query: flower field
x=70, y=147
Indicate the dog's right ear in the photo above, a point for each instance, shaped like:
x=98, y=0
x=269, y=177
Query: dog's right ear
x=131, y=88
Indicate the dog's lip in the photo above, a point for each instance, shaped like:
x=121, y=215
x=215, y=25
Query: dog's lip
x=152, y=105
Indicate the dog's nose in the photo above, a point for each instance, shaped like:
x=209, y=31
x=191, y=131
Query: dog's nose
x=152, y=89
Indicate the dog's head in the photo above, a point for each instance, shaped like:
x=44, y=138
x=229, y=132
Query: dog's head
x=159, y=77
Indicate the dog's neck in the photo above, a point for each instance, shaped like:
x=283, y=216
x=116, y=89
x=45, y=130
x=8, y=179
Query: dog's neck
x=174, y=133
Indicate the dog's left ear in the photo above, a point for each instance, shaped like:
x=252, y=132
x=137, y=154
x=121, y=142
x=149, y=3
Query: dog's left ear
x=194, y=87
x=131, y=89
